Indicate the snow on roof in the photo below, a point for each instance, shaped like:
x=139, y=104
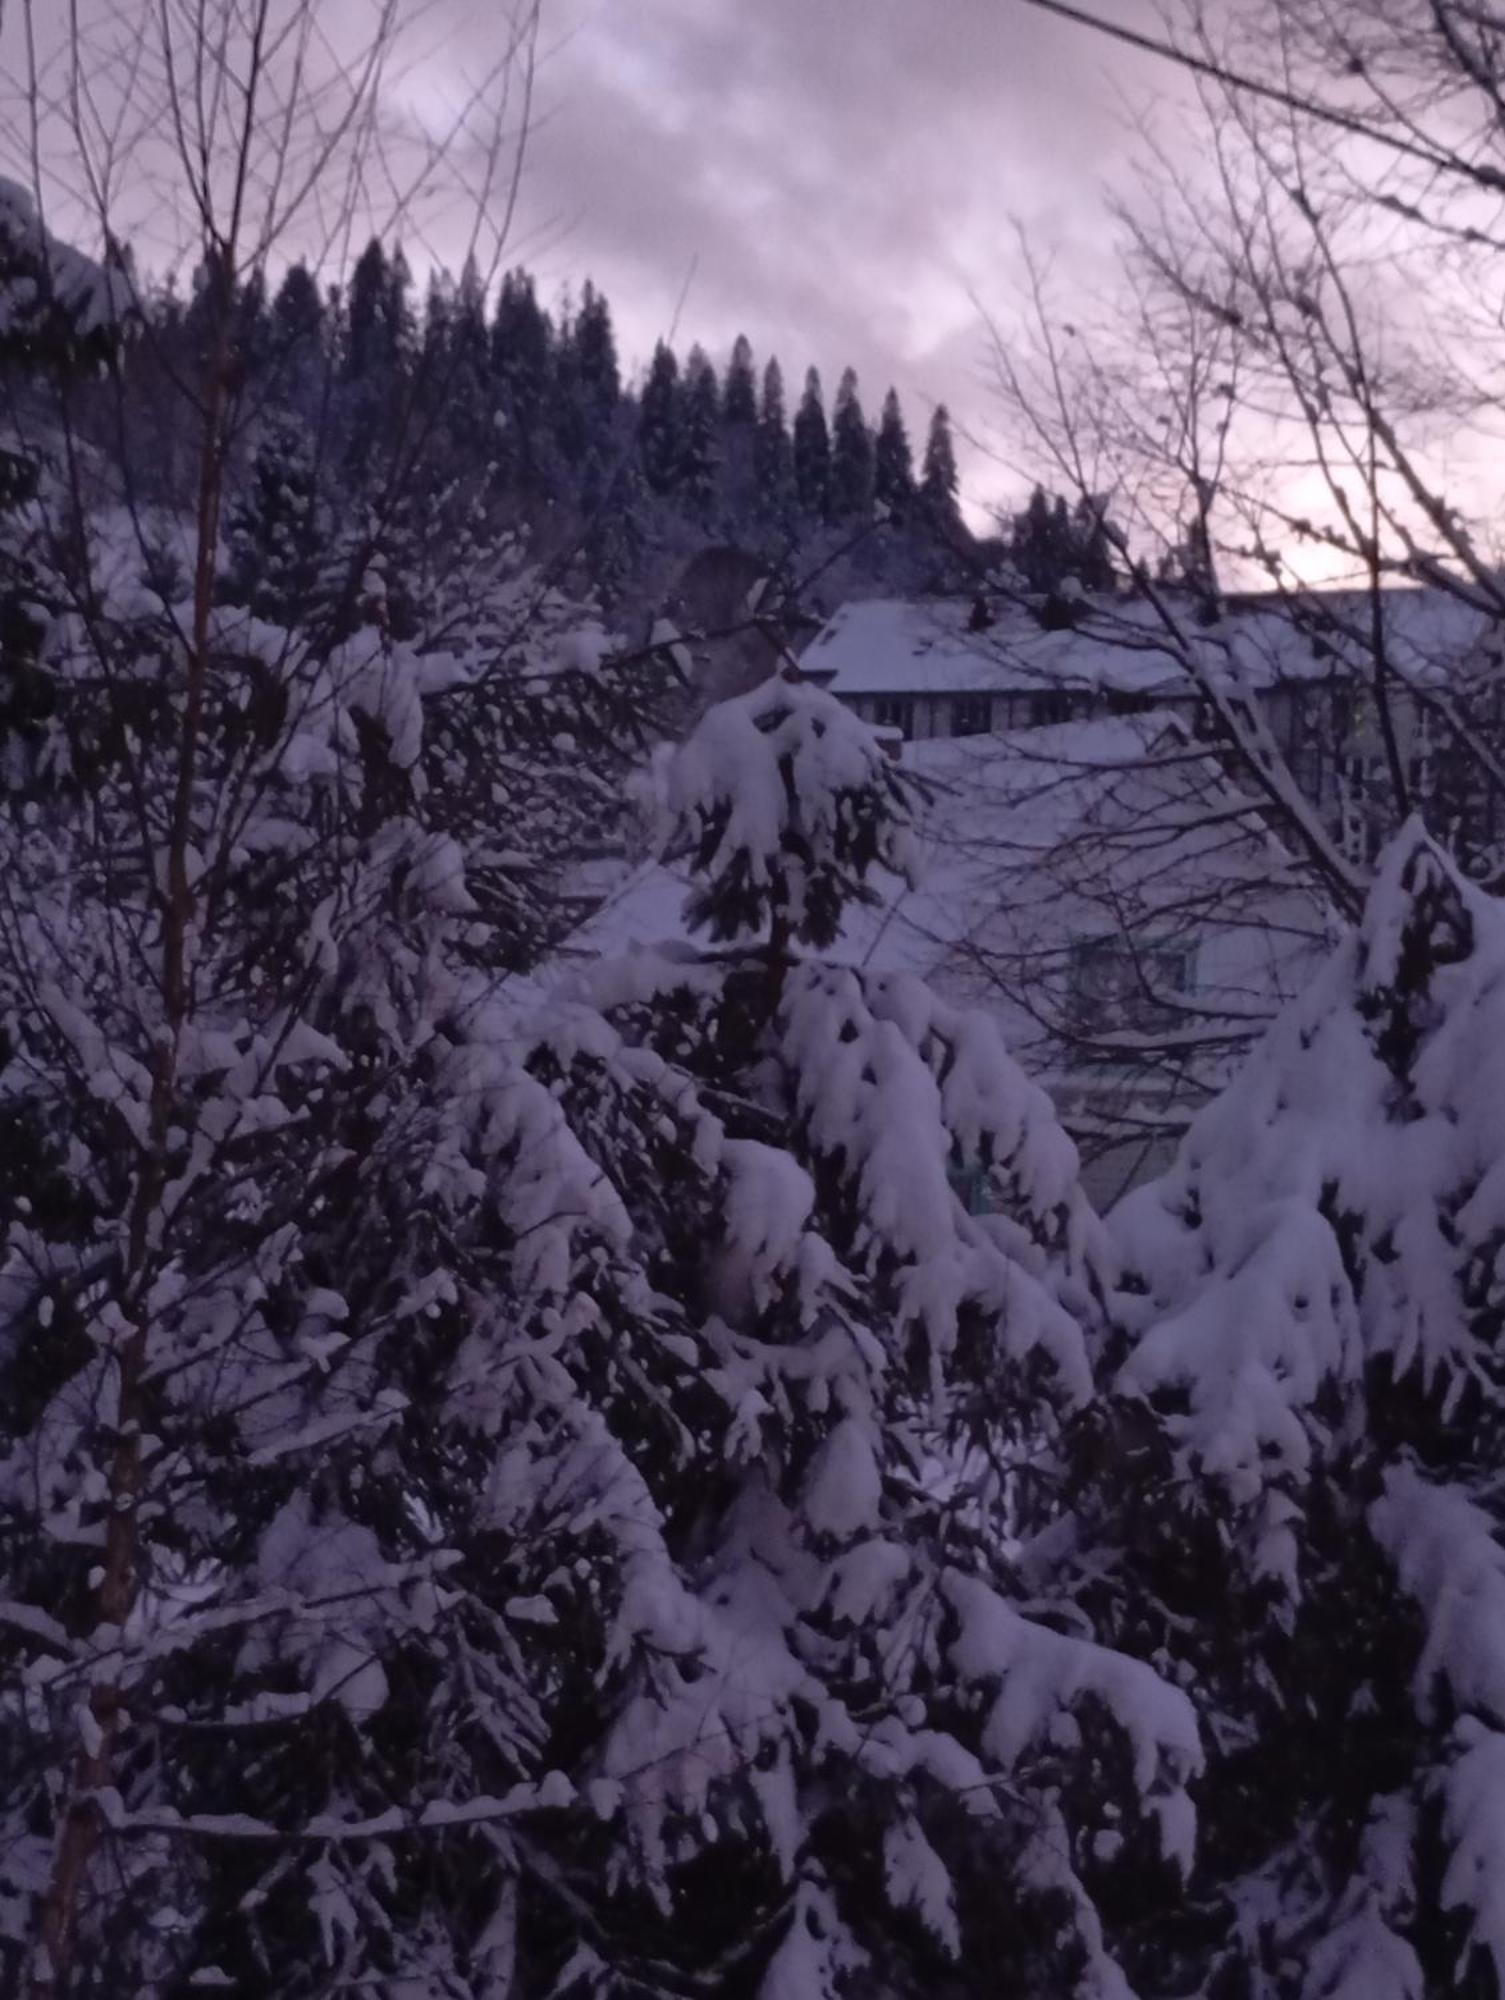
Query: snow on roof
x=888, y=646
x=1017, y=838
x=1430, y=634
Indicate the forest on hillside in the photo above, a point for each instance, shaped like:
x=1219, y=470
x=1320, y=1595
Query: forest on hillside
x=483, y=406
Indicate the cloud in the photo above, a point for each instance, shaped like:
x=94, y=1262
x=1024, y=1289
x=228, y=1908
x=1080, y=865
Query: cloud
x=834, y=180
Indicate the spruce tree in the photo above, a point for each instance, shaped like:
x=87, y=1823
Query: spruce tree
x=297, y=309
x=613, y=501
x=812, y=450
x=398, y=323
x=774, y=457
x=850, y=1347
x=276, y=532
x=59, y=309
x=852, y=469
x=1040, y=546
x=367, y=314
x=567, y=421
x=522, y=371
x=379, y=353
x=300, y=359
x=700, y=458
x=893, y=466
x=1094, y=544
x=252, y=335
x=661, y=421
x=596, y=349
x=437, y=334
x=209, y=307
x=739, y=443
x=255, y=1419
x=61, y=315
x=1189, y=565
x=938, y=475
x=501, y=1497
x=27, y=694
x=1052, y=542
x=740, y=403
x=552, y=1449
x=465, y=388
x=1293, y=1493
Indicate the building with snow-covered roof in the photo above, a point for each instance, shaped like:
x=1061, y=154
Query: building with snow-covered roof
x=939, y=667
x=1099, y=874
x=942, y=668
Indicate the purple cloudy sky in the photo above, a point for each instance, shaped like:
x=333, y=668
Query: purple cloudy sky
x=835, y=178
x=840, y=174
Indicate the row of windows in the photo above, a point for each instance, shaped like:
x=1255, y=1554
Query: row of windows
x=977, y=714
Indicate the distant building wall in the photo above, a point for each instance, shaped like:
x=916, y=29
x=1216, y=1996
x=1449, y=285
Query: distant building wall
x=734, y=652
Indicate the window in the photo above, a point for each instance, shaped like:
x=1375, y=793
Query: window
x=1129, y=701
x=971, y=714
x=1124, y=982
x=1052, y=706
x=1015, y=711
x=894, y=711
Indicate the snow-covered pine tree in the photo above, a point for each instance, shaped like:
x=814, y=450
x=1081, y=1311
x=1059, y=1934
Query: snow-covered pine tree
x=461, y=392
x=596, y=347
x=61, y=315
x=1092, y=533
x=739, y=442
x=812, y=450
x=437, y=333
x=26, y=690
x=521, y=366
x=773, y=453
x=852, y=470
x=276, y=530
x=289, y=1233
x=569, y=434
x=939, y=480
x=399, y=330
x=1036, y=549
x=740, y=403
x=317, y=1321
x=614, y=504
x=491, y=1508
x=834, y=1752
x=1292, y=1502
x=700, y=459
x=253, y=334
x=365, y=316
x=373, y=403
x=58, y=307
x=299, y=365
x=1051, y=544
x=893, y=465
x=661, y=420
